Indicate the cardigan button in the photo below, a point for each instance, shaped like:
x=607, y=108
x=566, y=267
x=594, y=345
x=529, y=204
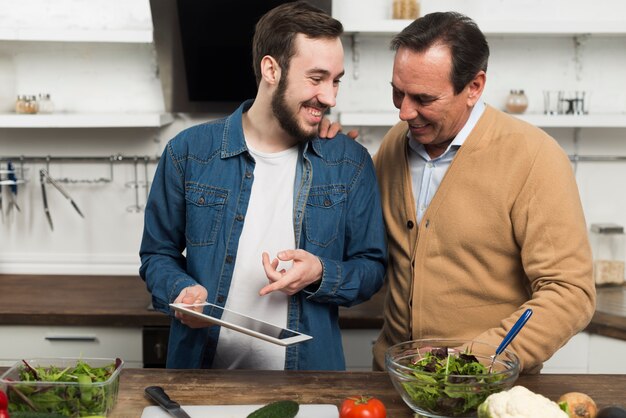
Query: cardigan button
x=410, y=224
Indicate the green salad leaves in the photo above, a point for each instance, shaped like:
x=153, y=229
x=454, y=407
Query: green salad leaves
x=450, y=383
x=74, y=391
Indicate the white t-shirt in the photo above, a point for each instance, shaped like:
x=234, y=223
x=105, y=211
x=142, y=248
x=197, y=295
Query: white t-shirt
x=268, y=227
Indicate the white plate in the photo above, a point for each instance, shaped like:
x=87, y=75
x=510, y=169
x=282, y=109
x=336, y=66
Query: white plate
x=240, y=411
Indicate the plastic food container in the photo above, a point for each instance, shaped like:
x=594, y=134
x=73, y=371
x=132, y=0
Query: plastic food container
x=76, y=397
x=608, y=244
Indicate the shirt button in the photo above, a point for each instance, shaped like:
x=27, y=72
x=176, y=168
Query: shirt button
x=220, y=299
x=410, y=224
x=248, y=174
x=239, y=218
x=229, y=259
x=201, y=201
x=327, y=203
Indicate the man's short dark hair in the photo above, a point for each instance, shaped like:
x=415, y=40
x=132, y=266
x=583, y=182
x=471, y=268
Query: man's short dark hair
x=275, y=32
x=467, y=43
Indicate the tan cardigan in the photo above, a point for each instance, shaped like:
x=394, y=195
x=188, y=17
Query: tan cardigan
x=504, y=232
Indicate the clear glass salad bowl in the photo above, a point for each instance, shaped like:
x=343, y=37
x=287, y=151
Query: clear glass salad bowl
x=449, y=378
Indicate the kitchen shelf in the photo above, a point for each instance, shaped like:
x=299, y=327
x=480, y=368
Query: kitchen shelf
x=86, y=120
x=500, y=27
x=77, y=35
x=608, y=120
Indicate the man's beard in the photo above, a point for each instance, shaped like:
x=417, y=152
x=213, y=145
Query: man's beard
x=286, y=118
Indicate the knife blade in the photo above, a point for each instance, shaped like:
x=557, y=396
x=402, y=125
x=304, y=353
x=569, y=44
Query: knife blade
x=42, y=180
x=158, y=395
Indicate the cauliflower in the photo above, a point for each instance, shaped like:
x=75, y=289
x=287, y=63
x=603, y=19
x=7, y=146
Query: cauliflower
x=519, y=402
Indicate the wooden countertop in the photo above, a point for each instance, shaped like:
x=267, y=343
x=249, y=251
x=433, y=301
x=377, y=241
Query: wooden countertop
x=111, y=301
x=123, y=301
x=220, y=387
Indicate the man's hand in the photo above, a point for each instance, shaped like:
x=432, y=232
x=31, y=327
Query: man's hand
x=306, y=269
x=191, y=295
x=329, y=130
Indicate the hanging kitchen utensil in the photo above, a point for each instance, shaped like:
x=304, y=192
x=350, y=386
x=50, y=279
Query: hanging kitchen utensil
x=136, y=208
x=12, y=187
x=1, y=207
x=52, y=181
x=42, y=180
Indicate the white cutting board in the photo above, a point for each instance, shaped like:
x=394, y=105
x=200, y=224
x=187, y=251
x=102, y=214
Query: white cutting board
x=240, y=411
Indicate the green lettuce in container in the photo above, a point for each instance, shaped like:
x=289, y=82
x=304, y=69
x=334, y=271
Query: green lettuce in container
x=67, y=387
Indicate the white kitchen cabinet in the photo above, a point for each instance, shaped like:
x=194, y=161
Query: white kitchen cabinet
x=571, y=358
x=588, y=353
x=606, y=354
x=357, y=348
x=23, y=342
x=96, y=60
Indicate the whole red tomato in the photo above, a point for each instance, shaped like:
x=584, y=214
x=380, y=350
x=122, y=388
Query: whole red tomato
x=362, y=407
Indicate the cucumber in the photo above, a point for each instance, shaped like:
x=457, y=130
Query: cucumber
x=278, y=409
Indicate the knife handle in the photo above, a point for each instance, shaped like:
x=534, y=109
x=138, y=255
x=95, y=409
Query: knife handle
x=159, y=396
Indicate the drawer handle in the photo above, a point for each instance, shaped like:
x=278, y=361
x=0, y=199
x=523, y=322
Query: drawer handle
x=71, y=338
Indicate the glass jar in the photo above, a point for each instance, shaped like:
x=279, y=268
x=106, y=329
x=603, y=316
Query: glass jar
x=405, y=9
x=516, y=102
x=608, y=246
x=45, y=103
x=26, y=104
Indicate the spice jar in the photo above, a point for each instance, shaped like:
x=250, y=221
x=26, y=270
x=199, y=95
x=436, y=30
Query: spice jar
x=26, y=104
x=405, y=9
x=45, y=103
x=516, y=102
x=608, y=246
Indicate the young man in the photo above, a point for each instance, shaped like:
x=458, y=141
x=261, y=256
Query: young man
x=259, y=182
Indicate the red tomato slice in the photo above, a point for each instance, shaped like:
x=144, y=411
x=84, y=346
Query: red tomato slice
x=362, y=407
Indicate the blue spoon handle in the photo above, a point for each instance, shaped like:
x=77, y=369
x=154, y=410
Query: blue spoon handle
x=513, y=332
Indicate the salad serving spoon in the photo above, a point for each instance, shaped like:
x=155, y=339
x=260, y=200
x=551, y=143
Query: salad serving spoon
x=511, y=334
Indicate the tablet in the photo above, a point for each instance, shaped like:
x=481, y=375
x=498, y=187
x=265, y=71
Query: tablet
x=242, y=323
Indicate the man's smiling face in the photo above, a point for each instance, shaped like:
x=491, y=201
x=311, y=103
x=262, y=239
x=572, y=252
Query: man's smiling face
x=309, y=87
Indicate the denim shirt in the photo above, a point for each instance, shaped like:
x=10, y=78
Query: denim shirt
x=194, y=218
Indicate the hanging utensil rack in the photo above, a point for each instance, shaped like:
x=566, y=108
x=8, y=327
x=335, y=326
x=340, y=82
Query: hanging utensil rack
x=20, y=171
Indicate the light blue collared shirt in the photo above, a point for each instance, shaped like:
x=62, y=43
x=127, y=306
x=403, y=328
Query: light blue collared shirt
x=427, y=173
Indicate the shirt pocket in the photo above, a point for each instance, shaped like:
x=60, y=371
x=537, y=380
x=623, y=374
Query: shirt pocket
x=324, y=213
x=205, y=209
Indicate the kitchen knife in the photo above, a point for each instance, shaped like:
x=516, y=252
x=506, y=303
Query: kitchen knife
x=158, y=395
x=42, y=180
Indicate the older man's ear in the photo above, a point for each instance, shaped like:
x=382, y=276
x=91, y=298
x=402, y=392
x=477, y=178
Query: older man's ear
x=329, y=130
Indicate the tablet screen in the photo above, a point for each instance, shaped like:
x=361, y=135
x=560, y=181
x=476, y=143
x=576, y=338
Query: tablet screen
x=243, y=323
